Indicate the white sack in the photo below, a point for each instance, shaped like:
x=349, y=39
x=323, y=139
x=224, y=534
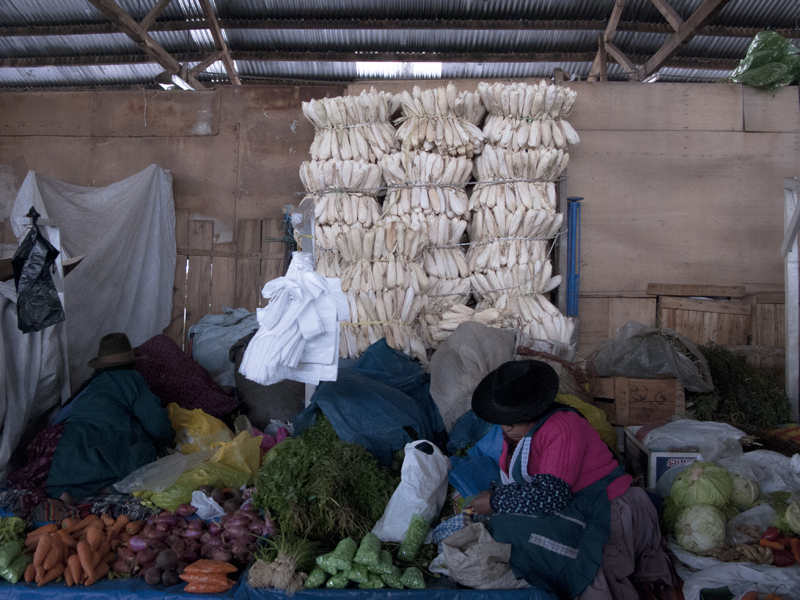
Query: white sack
x=127, y=232
x=31, y=372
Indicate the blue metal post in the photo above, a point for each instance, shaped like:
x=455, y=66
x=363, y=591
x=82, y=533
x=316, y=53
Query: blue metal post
x=573, y=254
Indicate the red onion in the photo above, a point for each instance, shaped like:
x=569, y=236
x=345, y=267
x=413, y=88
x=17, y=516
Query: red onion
x=221, y=554
x=206, y=551
x=168, y=518
x=163, y=526
x=137, y=544
x=193, y=533
x=237, y=520
x=151, y=520
x=171, y=539
x=214, y=540
x=124, y=553
x=156, y=536
x=214, y=528
x=249, y=513
x=121, y=566
x=240, y=551
x=145, y=556
x=194, y=524
x=186, y=510
x=233, y=532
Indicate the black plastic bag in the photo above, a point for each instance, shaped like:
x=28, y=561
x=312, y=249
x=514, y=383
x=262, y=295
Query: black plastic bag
x=38, y=304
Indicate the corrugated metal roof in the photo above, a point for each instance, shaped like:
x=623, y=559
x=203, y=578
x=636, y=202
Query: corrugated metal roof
x=182, y=32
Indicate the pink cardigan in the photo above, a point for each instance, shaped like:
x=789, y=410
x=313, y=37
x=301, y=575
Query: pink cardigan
x=568, y=447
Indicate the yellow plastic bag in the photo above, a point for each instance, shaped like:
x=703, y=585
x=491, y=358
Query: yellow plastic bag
x=242, y=454
x=595, y=416
x=196, y=430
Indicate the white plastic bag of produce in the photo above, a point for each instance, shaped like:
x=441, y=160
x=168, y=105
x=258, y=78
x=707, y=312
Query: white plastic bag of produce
x=422, y=491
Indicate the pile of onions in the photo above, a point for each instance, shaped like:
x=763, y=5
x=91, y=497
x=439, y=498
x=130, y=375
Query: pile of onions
x=232, y=539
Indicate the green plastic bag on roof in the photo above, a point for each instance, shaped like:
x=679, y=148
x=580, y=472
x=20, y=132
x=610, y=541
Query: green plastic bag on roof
x=207, y=473
x=771, y=62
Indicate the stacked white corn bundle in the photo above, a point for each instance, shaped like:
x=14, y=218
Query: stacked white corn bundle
x=514, y=205
x=440, y=326
x=426, y=192
x=443, y=120
x=353, y=127
x=523, y=116
x=344, y=194
x=385, y=287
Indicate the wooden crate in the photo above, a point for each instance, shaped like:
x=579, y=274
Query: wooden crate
x=723, y=318
x=629, y=401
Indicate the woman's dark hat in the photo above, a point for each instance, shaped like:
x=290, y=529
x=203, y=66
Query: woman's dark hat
x=115, y=351
x=515, y=392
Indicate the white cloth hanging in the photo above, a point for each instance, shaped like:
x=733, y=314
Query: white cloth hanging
x=298, y=335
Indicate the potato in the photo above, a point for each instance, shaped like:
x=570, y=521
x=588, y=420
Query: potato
x=152, y=576
x=170, y=578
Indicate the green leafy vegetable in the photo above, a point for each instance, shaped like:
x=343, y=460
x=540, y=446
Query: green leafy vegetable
x=373, y=582
x=358, y=573
x=319, y=487
x=13, y=572
x=368, y=551
x=702, y=483
x=384, y=564
x=341, y=559
x=415, y=536
x=392, y=579
x=700, y=528
x=316, y=578
x=11, y=529
x=745, y=492
x=337, y=582
x=9, y=552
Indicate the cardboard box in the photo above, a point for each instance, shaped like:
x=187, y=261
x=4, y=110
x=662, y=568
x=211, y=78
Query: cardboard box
x=650, y=465
x=628, y=401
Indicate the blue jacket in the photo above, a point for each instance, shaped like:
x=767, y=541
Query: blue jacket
x=116, y=426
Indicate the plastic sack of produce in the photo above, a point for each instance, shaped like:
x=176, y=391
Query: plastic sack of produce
x=771, y=62
x=422, y=491
x=640, y=351
x=208, y=473
x=197, y=430
x=475, y=560
x=162, y=473
x=243, y=453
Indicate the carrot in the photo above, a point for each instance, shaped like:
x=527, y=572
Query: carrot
x=30, y=573
x=68, y=578
x=74, y=564
x=101, y=571
x=94, y=536
x=42, y=548
x=107, y=519
x=773, y=545
x=750, y=596
x=101, y=552
x=54, y=557
x=769, y=597
x=210, y=566
x=124, y=537
x=794, y=544
x=81, y=525
x=39, y=573
x=134, y=527
x=118, y=526
x=109, y=558
x=44, y=529
x=86, y=556
x=67, y=538
x=51, y=575
x=69, y=522
x=116, y=544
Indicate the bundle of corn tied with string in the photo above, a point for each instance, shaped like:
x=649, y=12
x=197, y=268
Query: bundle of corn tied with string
x=344, y=194
x=441, y=325
x=525, y=116
x=443, y=119
x=385, y=287
x=426, y=191
x=353, y=127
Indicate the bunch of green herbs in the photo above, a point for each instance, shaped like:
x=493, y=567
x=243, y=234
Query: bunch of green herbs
x=321, y=488
x=743, y=395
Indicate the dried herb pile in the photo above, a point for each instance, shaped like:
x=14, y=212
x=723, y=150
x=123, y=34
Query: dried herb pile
x=743, y=395
x=321, y=488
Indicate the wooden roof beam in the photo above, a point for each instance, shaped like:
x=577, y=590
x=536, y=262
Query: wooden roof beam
x=688, y=29
x=133, y=30
x=153, y=14
x=608, y=35
x=219, y=41
x=669, y=14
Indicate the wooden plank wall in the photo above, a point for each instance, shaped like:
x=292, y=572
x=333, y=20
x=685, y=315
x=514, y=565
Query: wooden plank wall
x=211, y=276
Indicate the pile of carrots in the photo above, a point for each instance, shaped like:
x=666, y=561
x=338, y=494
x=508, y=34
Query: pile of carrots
x=80, y=550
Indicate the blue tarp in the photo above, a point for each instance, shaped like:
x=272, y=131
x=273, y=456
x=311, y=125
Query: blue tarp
x=472, y=474
x=374, y=399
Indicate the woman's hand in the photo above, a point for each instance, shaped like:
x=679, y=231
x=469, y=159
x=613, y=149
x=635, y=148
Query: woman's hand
x=480, y=504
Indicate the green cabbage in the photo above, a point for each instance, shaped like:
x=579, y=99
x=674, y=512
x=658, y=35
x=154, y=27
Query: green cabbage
x=745, y=492
x=702, y=483
x=700, y=528
x=792, y=516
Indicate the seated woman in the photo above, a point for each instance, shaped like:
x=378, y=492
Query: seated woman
x=116, y=425
x=576, y=526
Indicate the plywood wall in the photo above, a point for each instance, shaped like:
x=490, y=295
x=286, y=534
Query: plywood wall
x=682, y=182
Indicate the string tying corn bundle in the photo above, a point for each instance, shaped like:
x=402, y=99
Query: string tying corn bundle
x=353, y=127
x=536, y=316
x=385, y=287
x=525, y=116
x=344, y=194
x=442, y=119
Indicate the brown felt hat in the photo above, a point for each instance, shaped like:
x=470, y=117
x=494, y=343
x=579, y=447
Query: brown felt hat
x=516, y=392
x=115, y=351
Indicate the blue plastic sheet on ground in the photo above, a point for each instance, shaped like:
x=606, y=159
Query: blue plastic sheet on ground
x=373, y=400
x=248, y=593
x=119, y=589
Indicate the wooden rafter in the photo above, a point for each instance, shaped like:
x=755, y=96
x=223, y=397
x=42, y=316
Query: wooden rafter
x=219, y=41
x=608, y=35
x=153, y=14
x=687, y=30
x=669, y=13
x=154, y=50
x=257, y=56
x=387, y=24
x=620, y=57
x=602, y=57
x=206, y=62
